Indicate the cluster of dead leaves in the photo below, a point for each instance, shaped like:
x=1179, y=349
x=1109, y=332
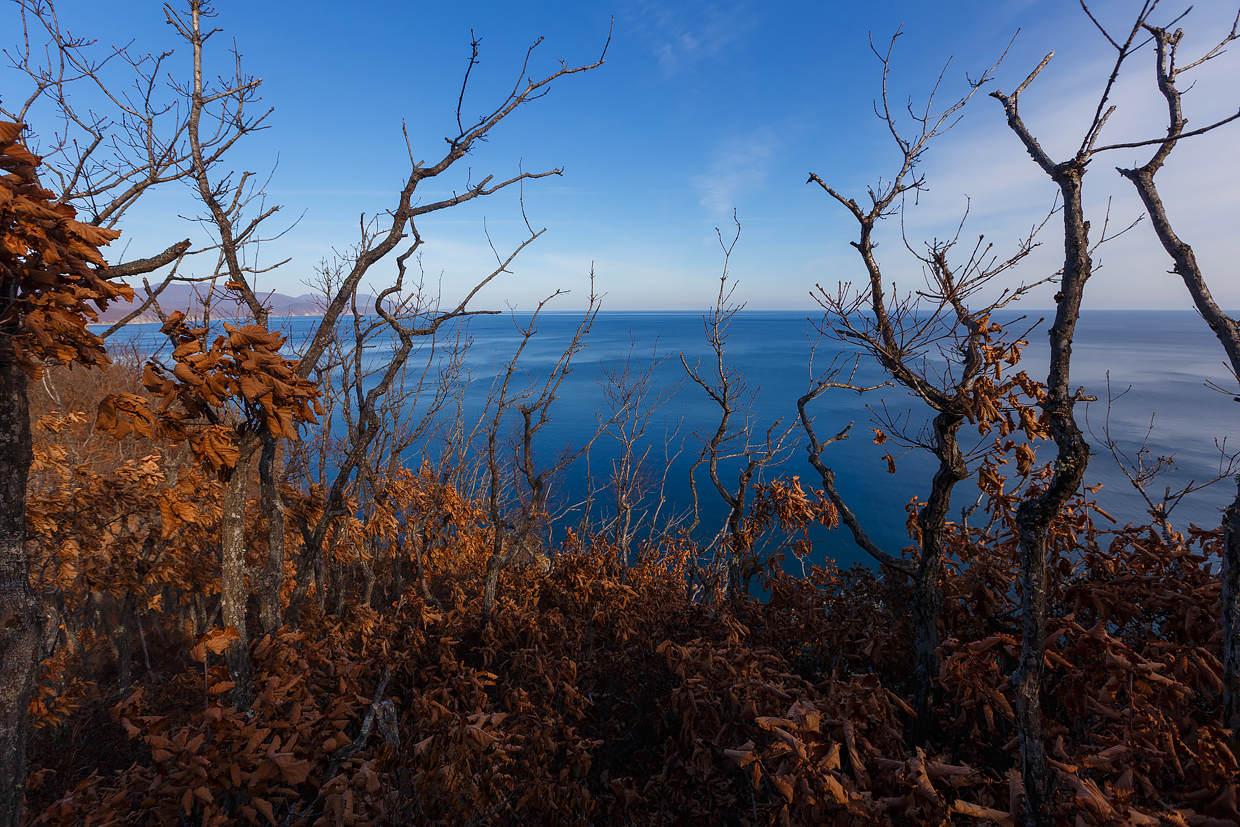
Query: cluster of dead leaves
x=994, y=401
x=240, y=384
x=50, y=267
x=129, y=528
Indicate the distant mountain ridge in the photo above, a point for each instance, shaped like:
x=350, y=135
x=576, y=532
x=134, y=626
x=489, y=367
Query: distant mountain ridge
x=183, y=297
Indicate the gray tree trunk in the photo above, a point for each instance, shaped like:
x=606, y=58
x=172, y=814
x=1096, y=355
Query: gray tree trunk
x=270, y=476
x=233, y=592
x=21, y=618
x=1227, y=330
x=927, y=581
x=1035, y=515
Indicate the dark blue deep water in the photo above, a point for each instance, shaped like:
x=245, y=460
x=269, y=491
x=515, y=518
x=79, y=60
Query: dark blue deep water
x=1164, y=357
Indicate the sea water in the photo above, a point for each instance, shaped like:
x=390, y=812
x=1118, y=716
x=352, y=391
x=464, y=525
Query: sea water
x=1160, y=366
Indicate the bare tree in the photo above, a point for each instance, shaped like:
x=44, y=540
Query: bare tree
x=731, y=440
x=933, y=343
x=952, y=357
x=226, y=203
x=1142, y=468
x=1227, y=329
x=408, y=326
x=414, y=415
x=1036, y=513
x=519, y=489
x=633, y=399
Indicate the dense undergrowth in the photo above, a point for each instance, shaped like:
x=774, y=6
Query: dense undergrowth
x=600, y=691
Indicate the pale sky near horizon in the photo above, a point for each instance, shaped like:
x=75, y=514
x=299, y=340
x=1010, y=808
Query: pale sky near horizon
x=701, y=108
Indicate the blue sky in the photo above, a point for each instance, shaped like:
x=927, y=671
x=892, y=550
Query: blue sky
x=701, y=108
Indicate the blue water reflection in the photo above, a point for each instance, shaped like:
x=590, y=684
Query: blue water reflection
x=1166, y=357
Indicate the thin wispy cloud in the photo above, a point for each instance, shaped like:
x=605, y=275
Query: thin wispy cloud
x=739, y=165
x=680, y=35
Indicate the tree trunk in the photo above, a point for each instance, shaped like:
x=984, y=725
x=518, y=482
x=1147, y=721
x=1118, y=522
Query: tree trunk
x=1228, y=332
x=927, y=581
x=21, y=619
x=737, y=548
x=233, y=592
x=335, y=590
x=301, y=585
x=1035, y=515
x=488, y=591
x=121, y=634
x=502, y=552
x=420, y=547
x=270, y=475
x=1231, y=624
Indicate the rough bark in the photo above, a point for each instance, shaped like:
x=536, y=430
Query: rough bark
x=335, y=590
x=927, y=582
x=1230, y=605
x=21, y=618
x=301, y=585
x=120, y=631
x=420, y=547
x=233, y=592
x=738, y=543
x=270, y=476
x=1035, y=515
x=494, y=565
x=1228, y=332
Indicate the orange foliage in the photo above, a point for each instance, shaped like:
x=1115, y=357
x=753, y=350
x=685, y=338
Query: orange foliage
x=242, y=377
x=600, y=692
x=54, y=262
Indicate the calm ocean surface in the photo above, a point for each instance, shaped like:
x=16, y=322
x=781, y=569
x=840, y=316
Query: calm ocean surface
x=1165, y=357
